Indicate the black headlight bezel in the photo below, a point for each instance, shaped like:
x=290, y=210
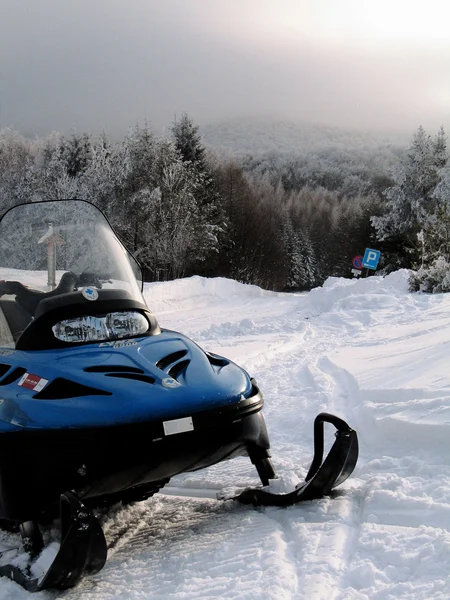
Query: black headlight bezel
x=39, y=335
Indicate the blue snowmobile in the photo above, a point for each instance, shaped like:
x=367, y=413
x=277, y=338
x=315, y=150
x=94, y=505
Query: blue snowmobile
x=100, y=405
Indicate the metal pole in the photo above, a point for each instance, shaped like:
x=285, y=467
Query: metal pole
x=51, y=264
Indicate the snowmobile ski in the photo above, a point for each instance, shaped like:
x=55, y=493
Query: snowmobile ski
x=323, y=476
x=83, y=549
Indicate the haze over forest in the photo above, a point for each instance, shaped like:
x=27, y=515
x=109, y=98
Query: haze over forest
x=105, y=66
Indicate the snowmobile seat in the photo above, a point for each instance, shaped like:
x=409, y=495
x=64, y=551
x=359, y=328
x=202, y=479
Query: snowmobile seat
x=29, y=298
x=16, y=317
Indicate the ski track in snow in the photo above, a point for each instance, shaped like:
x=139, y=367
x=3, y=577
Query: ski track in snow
x=366, y=350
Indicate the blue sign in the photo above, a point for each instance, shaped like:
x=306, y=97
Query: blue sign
x=371, y=258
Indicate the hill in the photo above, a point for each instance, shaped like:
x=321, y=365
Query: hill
x=257, y=137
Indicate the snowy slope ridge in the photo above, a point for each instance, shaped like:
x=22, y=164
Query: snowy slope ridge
x=367, y=350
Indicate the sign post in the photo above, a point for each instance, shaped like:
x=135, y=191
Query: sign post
x=52, y=240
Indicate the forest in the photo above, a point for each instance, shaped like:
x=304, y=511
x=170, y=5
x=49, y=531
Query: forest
x=284, y=221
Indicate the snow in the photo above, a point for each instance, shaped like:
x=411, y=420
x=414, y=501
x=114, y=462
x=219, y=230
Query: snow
x=366, y=350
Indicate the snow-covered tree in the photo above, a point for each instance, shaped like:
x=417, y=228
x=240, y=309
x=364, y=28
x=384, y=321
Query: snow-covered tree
x=16, y=164
x=436, y=227
x=411, y=201
x=300, y=257
x=76, y=152
x=105, y=176
x=188, y=142
x=435, y=278
x=158, y=214
x=51, y=178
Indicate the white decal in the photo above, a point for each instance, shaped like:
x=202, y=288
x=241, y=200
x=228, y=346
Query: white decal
x=89, y=293
x=178, y=426
x=118, y=344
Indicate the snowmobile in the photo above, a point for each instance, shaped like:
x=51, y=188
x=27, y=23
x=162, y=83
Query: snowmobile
x=100, y=405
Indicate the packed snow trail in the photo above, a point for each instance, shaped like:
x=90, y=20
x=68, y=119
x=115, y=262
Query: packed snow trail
x=366, y=350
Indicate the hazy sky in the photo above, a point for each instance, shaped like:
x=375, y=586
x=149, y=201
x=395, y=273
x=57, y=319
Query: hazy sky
x=94, y=65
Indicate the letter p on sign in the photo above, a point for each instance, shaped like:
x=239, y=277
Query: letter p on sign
x=371, y=258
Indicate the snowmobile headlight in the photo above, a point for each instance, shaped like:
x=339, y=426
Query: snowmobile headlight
x=114, y=325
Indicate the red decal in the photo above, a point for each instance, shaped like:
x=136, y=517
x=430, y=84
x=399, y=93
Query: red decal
x=33, y=382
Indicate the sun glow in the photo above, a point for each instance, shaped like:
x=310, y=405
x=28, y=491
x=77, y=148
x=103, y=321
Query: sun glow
x=385, y=20
x=369, y=20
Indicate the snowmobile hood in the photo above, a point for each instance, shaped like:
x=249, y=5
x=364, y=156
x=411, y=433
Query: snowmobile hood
x=78, y=345
x=153, y=378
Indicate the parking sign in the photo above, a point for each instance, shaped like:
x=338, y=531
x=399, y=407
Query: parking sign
x=371, y=258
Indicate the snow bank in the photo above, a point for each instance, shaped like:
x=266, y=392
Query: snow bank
x=161, y=296
x=363, y=293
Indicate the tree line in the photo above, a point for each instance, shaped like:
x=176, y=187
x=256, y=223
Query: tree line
x=183, y=210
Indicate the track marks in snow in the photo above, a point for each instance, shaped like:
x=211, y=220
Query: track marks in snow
x=391, y=420
x=401, y=563
x=205, y=549
x=403, y=508
x=197, y=549
x=402, y=543
x=411, y=420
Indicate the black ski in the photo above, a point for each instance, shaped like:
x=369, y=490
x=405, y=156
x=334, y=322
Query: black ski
x=323, y=476
x=83, y=549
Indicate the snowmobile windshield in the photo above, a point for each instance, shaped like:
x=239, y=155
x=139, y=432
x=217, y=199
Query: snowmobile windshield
x=62, y=246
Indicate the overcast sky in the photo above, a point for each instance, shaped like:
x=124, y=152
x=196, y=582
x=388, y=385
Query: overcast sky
x=93, y=65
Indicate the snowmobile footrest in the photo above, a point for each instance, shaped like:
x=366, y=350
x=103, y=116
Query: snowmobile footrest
x=83, y=550
x=323, y=476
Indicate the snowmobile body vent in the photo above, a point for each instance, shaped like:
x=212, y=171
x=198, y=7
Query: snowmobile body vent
x=179, y=369
x=217, y=361
x=4, y=368
x=121, y=371
x=61, y=389
x=163, y=363
x=136, y=376
x=112, y=369
x=13, y=376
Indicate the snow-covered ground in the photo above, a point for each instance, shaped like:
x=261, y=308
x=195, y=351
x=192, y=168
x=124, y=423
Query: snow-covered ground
x=366, y=350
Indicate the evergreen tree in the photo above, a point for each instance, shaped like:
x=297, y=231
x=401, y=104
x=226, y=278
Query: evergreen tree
x=435, y=236
x=51, y=179
x=160, y=218
x=105, y=177
x=294, y=272
x=16, y=169
x=411, y=200
x=440, y=149
x=302, y=272
x=76, y=153
x=209, y=201
x=309, y=260
x=188, y=142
